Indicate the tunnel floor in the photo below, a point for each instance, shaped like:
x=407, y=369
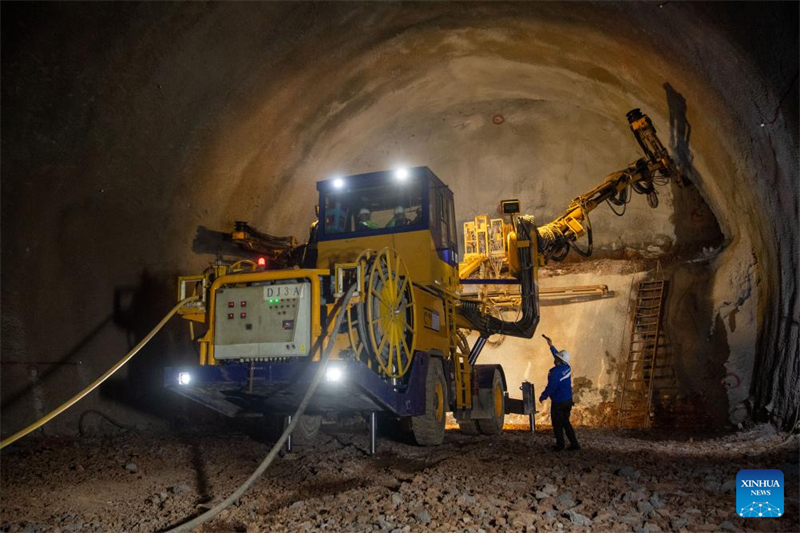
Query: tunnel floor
x=619, y=481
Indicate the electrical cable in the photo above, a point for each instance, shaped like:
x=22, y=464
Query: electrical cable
x=323, y=363
x=643, y=187
x=624, y=201
x=96, y=383
x=120, y=425
x=620, y=213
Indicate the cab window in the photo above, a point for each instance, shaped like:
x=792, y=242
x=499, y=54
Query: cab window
x=444, y=226
x=372, y=209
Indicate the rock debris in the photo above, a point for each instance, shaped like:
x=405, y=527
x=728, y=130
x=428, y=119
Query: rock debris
x=638, y=482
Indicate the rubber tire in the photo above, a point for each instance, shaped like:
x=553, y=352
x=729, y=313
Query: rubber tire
x=468, y=427
x=427, y=430
x=494, y=425
x=306, y=430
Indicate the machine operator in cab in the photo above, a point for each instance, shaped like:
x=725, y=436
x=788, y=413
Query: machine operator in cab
x=399, y=218
x=365, y=219
x=559, y=390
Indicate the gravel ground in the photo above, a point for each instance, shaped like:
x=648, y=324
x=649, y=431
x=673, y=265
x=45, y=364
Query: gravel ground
x=643, y=482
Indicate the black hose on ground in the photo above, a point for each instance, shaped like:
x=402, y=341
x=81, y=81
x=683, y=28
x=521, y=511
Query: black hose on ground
x=120, y=425
x=323, y=363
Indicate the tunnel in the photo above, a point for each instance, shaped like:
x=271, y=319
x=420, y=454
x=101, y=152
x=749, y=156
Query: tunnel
x=132, y=132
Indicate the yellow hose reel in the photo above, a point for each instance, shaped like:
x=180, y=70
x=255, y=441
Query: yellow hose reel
x=382, y=325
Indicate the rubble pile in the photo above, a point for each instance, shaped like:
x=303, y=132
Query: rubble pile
x=641, y=482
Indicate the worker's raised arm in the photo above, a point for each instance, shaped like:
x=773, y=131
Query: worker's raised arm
x=553, y=349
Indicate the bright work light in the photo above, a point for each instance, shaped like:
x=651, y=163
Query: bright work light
x=184, y=378
x=338, y=183
x=401, y=174
x=334, y=373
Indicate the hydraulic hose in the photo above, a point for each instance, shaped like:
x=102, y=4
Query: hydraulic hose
x=525, y=326
x=72, y=401
x=590, y=247
x=323, y=363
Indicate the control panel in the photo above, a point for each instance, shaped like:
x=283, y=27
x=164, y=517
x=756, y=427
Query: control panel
x=264, y=321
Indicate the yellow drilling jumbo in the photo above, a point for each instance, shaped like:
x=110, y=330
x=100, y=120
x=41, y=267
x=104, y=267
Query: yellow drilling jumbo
x=402, y=349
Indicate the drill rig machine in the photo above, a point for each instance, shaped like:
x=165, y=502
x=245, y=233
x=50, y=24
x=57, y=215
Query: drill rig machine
x=388, y=239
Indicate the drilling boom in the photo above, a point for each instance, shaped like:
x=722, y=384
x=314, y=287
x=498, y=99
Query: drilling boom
x=656, y=167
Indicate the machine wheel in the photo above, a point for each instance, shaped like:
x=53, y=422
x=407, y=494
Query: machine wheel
x=428, y=429
x=468, y=427
x=306, y=429
x=494, y=425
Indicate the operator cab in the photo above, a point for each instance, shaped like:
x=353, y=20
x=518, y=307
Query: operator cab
x=389, y=202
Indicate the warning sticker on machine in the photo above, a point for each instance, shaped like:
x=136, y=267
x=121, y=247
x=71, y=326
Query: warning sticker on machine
x=431, y=319
x=290, y=290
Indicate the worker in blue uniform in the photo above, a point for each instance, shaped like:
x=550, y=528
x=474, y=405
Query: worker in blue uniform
x=559, y=390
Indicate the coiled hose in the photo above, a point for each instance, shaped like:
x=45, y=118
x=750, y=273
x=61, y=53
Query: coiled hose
x=96, y=383
x=323, y=363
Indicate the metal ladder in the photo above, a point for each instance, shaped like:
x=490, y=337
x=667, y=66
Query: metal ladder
x=646, y=337
x=461, y=368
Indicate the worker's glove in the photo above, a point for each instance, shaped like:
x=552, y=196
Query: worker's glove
x=542, y=399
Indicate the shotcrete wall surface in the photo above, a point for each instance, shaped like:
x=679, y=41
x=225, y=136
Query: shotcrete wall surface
x=128, y=127
x=594, y=332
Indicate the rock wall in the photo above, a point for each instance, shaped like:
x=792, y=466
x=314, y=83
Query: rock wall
x=595, y=332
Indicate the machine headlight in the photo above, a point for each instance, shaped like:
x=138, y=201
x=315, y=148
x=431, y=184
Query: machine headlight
x=334, y=373
x=184, y=378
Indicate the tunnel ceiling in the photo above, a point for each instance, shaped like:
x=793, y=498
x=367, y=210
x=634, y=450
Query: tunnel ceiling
x=127, y=127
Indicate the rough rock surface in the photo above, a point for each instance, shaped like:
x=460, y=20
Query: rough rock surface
x=638, y=482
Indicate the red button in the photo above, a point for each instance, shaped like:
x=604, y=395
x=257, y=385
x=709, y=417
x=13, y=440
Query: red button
x=230, y=304
x=243, y=315
x=244, y=304
x=230, y=315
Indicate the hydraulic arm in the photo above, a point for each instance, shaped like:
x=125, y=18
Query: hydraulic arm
x=655, y=168
x=277, y=250
x=529, y=246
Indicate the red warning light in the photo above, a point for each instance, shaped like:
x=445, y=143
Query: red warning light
x=230, y=315
x=262, y=261
x=244, y=303
x=243, y=315
x=230, y=304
